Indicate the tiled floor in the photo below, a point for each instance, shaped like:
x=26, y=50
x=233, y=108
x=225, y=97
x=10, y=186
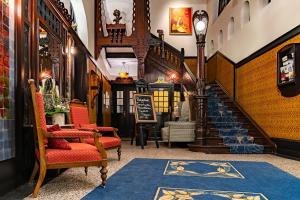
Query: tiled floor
x=73, y=184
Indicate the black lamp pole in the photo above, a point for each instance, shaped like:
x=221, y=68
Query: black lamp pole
x=200, y=24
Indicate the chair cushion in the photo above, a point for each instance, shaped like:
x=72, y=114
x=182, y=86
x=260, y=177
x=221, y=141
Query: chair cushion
x=88, y=126
x=79, y=115
x=55, y=127
x=71, y=133
x=105, y=129
x=58, y=143
x=94, y=127
x=107, y=142
x=80, y=152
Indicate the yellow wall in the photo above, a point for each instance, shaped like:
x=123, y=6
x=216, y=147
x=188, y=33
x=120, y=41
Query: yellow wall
x=220, y=69
x=257, y=93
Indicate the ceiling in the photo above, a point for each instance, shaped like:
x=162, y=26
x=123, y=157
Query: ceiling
x=120, y=60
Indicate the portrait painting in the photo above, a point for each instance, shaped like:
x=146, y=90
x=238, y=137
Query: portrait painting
x=180, y=21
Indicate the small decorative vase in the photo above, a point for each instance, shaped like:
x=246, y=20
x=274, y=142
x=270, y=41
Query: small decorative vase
x=58, y=118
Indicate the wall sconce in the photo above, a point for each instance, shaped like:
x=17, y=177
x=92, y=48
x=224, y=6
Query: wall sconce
x=173, y=77
x=45, y=75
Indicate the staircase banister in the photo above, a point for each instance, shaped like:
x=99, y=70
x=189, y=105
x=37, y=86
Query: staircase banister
x=170, y=47
x=266, y=136
x=186, y=67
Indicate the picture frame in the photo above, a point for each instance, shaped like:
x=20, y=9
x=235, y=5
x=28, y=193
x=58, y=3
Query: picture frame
x=180, y=21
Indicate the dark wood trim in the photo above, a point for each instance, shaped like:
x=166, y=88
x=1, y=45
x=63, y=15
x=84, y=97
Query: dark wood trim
x=287, y=148
x=8, y=176
x=292, y=33
x=191, y=57
x=223, y=56
x=262, y=132
x=234, y=82
x=120, y=55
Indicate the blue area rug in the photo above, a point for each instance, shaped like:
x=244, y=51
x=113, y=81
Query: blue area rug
x=154, y=179
x=230, y=129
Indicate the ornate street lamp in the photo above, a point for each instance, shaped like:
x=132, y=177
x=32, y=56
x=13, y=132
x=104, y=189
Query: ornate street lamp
x=200, y=24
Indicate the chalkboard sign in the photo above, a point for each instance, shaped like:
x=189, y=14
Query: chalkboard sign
x=144, y=109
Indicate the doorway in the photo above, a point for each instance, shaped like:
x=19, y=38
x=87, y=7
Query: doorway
x=123, y=109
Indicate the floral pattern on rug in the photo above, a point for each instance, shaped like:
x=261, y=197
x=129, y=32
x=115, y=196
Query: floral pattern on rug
x=194, y=194
x=202, y=168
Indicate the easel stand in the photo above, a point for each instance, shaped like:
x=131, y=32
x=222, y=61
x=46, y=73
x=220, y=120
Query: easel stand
x=140, y=130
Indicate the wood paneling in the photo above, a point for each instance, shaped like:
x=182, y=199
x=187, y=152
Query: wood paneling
x=221, y=69
x=192, y=63
x=94, y=81
x=107, y=108
x=211, y=69
x=257, y=93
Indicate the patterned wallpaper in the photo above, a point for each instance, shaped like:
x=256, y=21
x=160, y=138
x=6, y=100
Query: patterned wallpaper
x=225, y=74
x=220, y=69
x=257, y=93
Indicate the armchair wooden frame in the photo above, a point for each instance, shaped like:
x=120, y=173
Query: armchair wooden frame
x=78, y=103
x=41, y=163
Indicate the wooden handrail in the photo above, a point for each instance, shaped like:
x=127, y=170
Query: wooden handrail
x=168, y=46
x=193, y=77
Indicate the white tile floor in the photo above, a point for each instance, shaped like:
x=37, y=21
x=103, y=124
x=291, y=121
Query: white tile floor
x=73, y=184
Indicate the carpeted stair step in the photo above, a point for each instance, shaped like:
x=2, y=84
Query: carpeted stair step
x=252, y=132
x=223, y=149
x=229, y=129
x=216, y=140
x=222, y=118
x=232, y=132
x=238, y=139
x=229, y=125
x=245, y=148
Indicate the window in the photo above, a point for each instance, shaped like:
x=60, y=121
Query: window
x=161, y=100
x=246, y=12
x=265, y=2
x=106, y=100
x=7, y=81
x=212, y=46
x=220, y=38
x=120, y=101
x=176, y=101
x=131, y=103
x=222, y=5
x=230, y=28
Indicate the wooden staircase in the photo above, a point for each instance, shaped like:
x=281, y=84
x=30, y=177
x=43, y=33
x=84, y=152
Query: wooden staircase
x=215, y=144
x=163, y=58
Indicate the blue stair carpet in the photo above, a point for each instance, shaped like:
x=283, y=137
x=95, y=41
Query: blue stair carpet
x=230, y=129
x=155, y=179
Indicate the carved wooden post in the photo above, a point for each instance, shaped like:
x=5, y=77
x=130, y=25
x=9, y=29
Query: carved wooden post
x=141, y=33
x=200, y=22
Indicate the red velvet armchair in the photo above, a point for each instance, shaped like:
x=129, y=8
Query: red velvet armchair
x=75, y=155
x=80, y=118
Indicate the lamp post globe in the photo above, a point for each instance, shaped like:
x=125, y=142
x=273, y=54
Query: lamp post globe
x=200, y=25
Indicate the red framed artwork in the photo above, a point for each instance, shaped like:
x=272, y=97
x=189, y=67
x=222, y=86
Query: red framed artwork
x=180, y=21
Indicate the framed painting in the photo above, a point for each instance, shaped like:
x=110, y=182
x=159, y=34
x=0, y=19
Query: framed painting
x=180, y=21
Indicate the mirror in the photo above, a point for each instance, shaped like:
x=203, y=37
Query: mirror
x=126, y=9
x=49, y=56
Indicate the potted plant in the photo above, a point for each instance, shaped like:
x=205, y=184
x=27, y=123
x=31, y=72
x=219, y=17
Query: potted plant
x=55, y=107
